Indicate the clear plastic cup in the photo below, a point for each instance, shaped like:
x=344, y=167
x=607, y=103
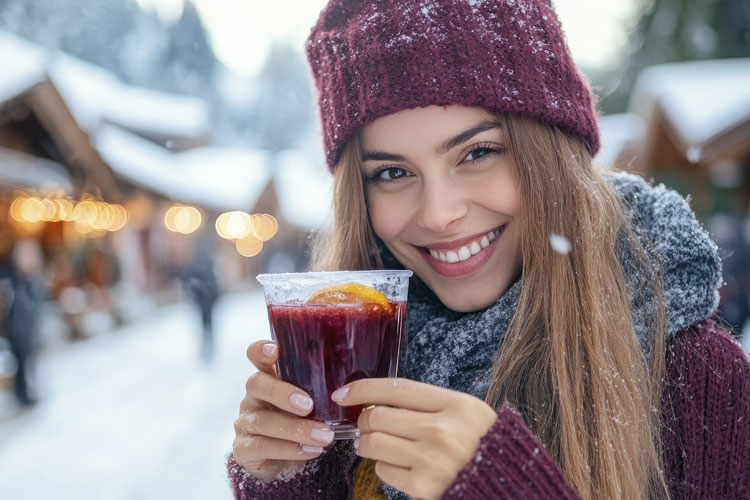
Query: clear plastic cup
x=331, y=331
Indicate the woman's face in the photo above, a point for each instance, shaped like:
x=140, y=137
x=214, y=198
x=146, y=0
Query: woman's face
x=443, y=196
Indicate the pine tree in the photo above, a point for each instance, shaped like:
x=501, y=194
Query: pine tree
x=283, y=107
x=679, y=30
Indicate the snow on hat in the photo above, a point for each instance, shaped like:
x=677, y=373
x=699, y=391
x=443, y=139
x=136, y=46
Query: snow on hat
x=371, y=58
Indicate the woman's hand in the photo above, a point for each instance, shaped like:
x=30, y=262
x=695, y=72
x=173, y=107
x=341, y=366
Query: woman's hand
x=423, y=437
x=270, y=435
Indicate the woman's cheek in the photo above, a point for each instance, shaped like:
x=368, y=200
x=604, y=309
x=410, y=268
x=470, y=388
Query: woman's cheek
x=387, y=219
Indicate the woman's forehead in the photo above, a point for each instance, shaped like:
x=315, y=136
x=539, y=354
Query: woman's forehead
x=423, y=128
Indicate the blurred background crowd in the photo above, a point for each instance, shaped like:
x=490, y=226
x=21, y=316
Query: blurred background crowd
x=161, y=152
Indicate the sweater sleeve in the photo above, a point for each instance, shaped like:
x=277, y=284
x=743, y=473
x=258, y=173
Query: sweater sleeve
x=510, y=463
x=705, y=432
x=706, y=415
x=326, y=477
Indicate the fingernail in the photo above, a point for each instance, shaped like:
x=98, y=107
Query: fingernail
x=312, y=449
x=356, y=444
x=269, y=350
x=300, y=402
x=339, y=394
x=322, y=435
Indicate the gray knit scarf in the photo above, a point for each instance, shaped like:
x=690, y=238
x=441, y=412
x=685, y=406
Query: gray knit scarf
x=456, y=350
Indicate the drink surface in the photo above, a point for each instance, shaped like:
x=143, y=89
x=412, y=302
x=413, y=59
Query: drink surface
x=322, y=347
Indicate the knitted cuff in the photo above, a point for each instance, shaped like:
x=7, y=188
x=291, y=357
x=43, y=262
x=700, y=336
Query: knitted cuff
x=509, y=464
x=324, y=477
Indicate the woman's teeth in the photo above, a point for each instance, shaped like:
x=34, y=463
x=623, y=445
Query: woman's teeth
x=466, y=251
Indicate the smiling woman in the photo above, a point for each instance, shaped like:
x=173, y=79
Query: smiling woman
x=555, y=311
x=449, y=207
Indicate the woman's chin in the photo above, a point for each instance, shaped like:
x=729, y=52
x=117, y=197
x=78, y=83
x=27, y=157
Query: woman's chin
x=466, y=299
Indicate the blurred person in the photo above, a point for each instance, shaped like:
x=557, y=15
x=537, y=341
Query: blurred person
x=24, y=270
x=199, y=280
x=561, y=337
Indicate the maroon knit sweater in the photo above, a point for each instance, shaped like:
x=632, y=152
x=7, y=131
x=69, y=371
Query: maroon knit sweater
x=705, y=432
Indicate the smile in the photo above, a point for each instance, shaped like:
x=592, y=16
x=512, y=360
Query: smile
x=463, y=256
x=466, y=251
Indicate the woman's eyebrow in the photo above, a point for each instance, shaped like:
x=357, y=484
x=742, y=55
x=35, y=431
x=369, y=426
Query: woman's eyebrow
x=382, y=156
x=466, y=135
x=443, y=148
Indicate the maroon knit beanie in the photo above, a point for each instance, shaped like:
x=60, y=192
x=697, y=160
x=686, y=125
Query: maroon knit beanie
x=371, y=58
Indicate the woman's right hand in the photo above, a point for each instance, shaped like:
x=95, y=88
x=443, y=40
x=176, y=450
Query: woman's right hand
x=271, y=436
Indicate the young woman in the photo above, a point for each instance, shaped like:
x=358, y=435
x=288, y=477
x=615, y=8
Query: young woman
x=560, y=341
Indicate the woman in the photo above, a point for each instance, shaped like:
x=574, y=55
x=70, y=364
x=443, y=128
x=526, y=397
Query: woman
x=559, y=343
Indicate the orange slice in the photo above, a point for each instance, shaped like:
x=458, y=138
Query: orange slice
x=349, y=293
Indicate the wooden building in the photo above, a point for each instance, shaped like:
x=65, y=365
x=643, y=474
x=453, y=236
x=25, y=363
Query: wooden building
x=696, y=134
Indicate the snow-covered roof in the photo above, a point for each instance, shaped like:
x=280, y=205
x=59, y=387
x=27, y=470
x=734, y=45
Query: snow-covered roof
x=23, y=65
x=215, y=178
x=701, y=99
x=21, y=170
x=615, y=132
x=95, y=95
x=304, y=188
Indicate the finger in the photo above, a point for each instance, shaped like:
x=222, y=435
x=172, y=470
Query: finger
x=280, y=394
x=398, y=477
x=386, y=447
x=263, y=355
x=249, y=449
x=396, y=421
x=278, y=425
x=250, y=404
x=399, y=392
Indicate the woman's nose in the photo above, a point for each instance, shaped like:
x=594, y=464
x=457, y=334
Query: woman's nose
x=440, y=205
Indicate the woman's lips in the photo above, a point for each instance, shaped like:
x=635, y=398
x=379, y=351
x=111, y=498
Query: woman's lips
x=462, y=267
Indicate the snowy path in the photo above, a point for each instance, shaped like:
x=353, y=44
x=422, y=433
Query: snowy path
x=133, y=414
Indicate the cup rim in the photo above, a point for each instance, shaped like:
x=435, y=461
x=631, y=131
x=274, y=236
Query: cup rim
x=269, y=277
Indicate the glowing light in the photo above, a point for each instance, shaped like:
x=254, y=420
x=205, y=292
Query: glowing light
x=121, y=218
x=249, y=246
x=105, y=216
x=16, y=208
x=32, y=210
x=49, y=211
x=265, y=226
x=85, y=212
x=64, y=209
x=221, y=222
x=188, y=220
x=234, y=225
x=90, y=217
x=181, y=219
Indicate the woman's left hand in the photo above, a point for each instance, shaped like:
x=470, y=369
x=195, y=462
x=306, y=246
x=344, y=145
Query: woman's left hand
x=423, y=436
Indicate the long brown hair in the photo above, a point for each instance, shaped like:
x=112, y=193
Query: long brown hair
x=570, y=361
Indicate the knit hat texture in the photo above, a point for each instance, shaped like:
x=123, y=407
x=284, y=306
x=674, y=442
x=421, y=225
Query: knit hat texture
x=371, y=58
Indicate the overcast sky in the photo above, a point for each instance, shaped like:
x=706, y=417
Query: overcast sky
x=241, y=30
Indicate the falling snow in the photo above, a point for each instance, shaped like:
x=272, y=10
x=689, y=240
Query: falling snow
x=559, y=244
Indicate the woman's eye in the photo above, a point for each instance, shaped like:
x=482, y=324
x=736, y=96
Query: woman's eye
x=389, y=174
x=481, y=152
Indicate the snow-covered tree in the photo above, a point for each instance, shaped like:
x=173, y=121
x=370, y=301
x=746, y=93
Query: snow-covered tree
x=283, y=106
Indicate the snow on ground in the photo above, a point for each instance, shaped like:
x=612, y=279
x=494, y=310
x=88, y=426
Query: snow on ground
x=133, y=413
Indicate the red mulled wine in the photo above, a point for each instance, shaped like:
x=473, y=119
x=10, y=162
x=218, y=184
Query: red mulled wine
x=324, y=346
